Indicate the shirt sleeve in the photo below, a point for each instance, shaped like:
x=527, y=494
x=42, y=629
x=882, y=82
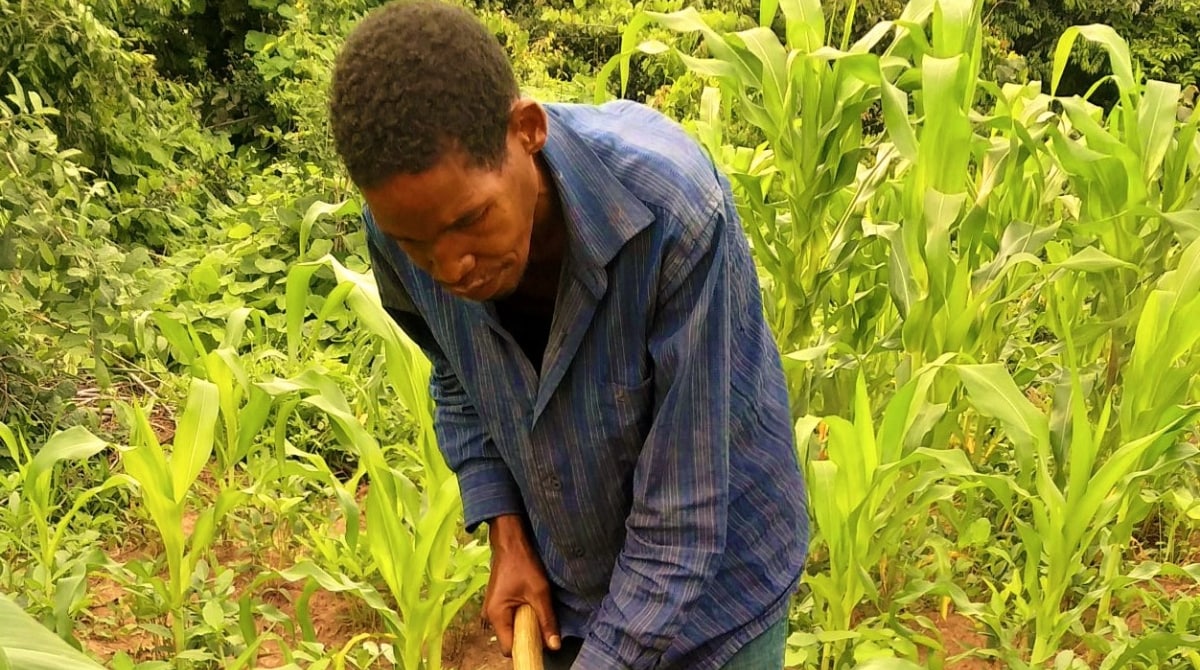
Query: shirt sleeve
x=675, y=532
x=485, y=483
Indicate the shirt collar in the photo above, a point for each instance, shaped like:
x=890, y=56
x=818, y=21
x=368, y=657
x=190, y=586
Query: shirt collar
x=602, y=215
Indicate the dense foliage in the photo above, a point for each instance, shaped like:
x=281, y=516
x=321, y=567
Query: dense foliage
x=978, y=228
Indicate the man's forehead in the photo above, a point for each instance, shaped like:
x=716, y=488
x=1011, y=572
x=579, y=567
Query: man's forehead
x=413, y=201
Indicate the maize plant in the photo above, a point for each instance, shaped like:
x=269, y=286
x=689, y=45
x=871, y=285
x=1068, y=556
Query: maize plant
x=166, y=486
x=869, y=485
x=33, y=505
x=244, y=408
x=411, y=526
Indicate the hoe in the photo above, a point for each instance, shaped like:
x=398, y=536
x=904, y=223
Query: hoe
x=527, y=640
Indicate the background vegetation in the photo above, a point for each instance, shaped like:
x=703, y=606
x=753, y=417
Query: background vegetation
x=978, y=227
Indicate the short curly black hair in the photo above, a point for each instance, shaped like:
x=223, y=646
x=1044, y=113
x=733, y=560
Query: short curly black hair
x=414, y=79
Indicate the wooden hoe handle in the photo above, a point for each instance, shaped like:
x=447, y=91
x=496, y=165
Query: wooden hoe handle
x=527, y=640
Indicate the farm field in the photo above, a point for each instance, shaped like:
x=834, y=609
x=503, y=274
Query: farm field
x=977, y=227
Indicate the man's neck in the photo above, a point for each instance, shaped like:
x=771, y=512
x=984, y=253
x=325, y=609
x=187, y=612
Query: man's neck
x=547, y=244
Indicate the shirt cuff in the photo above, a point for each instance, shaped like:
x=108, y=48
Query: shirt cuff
x=488, y=491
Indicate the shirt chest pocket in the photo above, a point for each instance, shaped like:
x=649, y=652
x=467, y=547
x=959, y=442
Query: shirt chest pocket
x=627, y=412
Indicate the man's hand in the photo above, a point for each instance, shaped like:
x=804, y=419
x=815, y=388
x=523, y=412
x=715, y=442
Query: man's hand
x=517, y=578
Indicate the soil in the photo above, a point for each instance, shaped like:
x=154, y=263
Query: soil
x=960, y=635
x=472, y=646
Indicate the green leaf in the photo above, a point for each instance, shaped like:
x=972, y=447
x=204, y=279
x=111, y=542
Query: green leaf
x=1021, y=241
x=1106, y=37
x=994, y=393
x=213, y=615
x=689, y=20
x=888, y=664
x=1150, y=644
x=27, y=645
x=1092, y=259
x=194, y=436
x=270, y=265
x=75, y=443
x=317, y=210
x=805, y=24
x=766, y=12
x=240, y=232
x=205, y=280
x=1156, y=124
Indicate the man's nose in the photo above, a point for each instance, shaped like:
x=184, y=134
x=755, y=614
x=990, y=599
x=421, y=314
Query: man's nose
x=451, y=266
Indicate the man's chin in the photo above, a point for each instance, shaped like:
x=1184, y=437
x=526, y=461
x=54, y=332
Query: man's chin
x=502, y=293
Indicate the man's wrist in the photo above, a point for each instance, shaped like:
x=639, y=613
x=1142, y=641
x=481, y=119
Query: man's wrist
x=506, y=533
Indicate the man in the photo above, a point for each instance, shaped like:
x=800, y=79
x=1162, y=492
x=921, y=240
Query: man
x=605, y=386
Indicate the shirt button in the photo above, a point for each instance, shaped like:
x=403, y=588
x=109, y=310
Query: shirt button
x=576, y=551
x=554, y=482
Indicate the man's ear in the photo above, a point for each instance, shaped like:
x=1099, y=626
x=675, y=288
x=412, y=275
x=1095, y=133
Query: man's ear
x=529, y=124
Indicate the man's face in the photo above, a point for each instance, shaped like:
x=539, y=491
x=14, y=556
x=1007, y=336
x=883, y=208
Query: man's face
x=468, y=228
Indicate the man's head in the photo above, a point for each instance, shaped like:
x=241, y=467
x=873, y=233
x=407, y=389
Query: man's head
x=428, y=119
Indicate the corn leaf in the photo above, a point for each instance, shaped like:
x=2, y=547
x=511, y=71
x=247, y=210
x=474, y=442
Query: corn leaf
x=1156, y=124
x=194, y=436
x=994, y=393
x=805, y=24
x=26, y=645
x=1118, y=54
x=75, y=443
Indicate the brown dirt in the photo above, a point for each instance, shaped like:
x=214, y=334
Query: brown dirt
x=472, y=646
x=959, y=634
x=110, y=627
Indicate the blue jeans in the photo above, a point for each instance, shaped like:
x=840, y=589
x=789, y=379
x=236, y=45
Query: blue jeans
x=764, y=652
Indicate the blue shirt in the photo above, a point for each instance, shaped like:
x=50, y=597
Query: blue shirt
x=653, y=452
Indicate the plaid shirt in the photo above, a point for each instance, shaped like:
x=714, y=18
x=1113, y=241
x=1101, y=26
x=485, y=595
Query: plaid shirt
x=653, y=452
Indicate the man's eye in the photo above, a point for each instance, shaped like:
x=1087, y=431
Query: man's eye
x=467, y=223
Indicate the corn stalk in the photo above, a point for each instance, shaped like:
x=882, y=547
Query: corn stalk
x=411, y=525
x=166, y=482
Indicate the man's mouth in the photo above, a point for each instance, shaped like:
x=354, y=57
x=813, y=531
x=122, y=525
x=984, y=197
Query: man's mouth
x=467, y=287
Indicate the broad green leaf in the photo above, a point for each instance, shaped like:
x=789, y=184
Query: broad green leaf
x=805, y=24
x=1020, y=240
x=296, y=297
x=770, y=53
x=75, y=443
x=628, y=39
x=240, y=231
x=888, y=664
x=318, y=210
x=1168, y=643
x=27, y=645
x=335, y=582
x=1186, y=224
x=1118, y=54
x=941, y=213
x=1156, y=124
x=994, y=393
x=1091, y=259
x=898, y=123
x=194, y=436
x=213, y=614
x=946, y=136
x=902, y=283
x=10, y=441
x=689, y=20
x=952, y=27
x=766, y=12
